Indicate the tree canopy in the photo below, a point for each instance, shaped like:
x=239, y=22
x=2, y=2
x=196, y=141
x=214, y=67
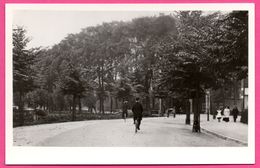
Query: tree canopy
x=178, y=56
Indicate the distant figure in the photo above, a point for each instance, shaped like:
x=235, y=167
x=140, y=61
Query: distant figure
x=124, y=110
x=138, y=113
x=235, y=113
x=226, y=114
x=163, y=110
x=219, y=116
x=171, y=110
x=168, y=112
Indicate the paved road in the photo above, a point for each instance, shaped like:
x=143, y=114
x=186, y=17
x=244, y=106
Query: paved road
x=155, y=132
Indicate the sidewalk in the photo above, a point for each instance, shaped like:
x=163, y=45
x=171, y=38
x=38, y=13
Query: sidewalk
x=234, y=131
x=231, y=130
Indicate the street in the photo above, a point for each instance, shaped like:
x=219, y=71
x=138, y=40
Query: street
x=155, y=132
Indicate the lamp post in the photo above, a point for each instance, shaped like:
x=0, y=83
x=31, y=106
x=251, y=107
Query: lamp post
x=207, y=100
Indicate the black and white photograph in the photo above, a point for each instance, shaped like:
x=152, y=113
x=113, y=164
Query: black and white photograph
x=125, y=76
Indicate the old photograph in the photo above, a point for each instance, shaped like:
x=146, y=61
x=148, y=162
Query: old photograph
x=130, y=78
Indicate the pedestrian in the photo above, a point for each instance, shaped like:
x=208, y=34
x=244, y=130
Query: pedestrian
x=171, y=110
x=235, y=113
x=226, y=114
x=163, y=110
x=124, y=110
x=168, y=112
x=137, y=113
x=174, y=112
x=219, y=116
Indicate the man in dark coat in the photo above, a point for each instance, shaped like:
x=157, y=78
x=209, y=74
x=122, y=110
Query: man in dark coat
x=235, y=113
x=137, y=112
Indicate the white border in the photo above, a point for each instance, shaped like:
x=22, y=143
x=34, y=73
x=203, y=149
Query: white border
x=130, y=155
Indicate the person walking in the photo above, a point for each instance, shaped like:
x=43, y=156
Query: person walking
x=124, y=110
x=226, y=114
x=137, y=114
x=171, y=110
x=219, y=116
x=235, y=113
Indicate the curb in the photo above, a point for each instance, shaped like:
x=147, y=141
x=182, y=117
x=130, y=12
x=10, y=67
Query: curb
x=224, y=137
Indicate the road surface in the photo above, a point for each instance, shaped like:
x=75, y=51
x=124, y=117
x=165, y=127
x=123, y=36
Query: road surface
x=155, y=132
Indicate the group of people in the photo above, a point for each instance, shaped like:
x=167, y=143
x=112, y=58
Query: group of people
x=137, y=112
x=226, y=113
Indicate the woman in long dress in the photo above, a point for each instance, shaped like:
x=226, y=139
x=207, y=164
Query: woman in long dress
x=219, y=116
x=226, y=114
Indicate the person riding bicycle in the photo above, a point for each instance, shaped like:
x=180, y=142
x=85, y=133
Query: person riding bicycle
x=137, y=113
x=124, y=110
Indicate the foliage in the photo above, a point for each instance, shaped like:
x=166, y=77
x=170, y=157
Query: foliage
x=22, y=61
x=176, y=56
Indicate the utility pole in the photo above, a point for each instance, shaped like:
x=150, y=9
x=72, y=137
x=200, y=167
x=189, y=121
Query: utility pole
x=207, y=102
x=243, y=83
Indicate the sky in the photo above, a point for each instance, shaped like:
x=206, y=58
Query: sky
x=46, y=28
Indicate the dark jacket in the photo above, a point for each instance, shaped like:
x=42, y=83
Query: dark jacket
x=137, y=110
x=235, y=112
x=125, y=107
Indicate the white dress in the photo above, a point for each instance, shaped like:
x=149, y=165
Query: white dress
x=226, y=113
x=219, y=114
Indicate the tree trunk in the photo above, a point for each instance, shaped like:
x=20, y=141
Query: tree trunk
x=21, y=111
x=207, y=105
x=111, y=103
x=74, y=108
x=154, y=103
x=235, y=93
x=196, y=120
x=102, y=86
x=79, y=104
x=160, y=107
x=116, y=103
x=148, y=104
x=187, y=121
x=224, y=96
x=49, y=104
x=100, y=90
x=243, y=104
x=148, y=78
x=214, y=112
x=100, y=104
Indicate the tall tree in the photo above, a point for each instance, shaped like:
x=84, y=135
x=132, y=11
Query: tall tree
x=147, y=33
x=109, y=44
x=70, y=78
x=22, y=67
x=186, y=61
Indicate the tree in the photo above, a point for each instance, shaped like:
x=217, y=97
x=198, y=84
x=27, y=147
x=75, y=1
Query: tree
x=71, y=84
x=90, y=101
x=70, y=78
x=109, y=44
x=22, y=67
x=233, y=39
x=185, y=60
x=147, y=33
x=46, y=67
x=37, y=98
